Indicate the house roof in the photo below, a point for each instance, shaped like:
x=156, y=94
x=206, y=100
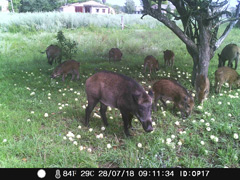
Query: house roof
x=88, y=3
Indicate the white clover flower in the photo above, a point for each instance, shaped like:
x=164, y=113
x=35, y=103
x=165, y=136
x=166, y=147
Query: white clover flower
x=202, y=142
x=100, y=135
x=177, y=123
x=202, y=120
x=207, y=124
x=64, y=137
x=60, y=107
x=103, y=128
x=79, y=127
x=179, y=143
x=229, y=115
x=212, y=119
x=109, y=146
x=139, y=145
x=208, y=129
x=219, y=102
x=200, y=107
x=63, y=94
x=80, y=148
x=32, y=112
x=89, y=150
x=46, y=115
x=75, y=143
x=228, y=103
x=70, y=134
x=173, y=136
x=70, y=138
x=235, y=136
x=32, y=93
x=90, y=129
x=4, y=140
x=110, y=117
x=168, y=140
x=78, y=136
x=84, y=107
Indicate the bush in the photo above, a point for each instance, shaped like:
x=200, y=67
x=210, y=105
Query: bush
x=69, y=47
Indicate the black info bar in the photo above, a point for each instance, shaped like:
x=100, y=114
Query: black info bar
x=77, y=173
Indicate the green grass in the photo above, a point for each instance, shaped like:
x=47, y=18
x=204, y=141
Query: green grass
x=29, y=139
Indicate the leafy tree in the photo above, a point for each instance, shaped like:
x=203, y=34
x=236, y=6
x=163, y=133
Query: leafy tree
x=201, y=20
x=129, y=6
x=38, y=5
x=15, y=4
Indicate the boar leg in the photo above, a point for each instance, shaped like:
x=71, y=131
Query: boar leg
x=126, y=116
x=77, y=75
x=163, y=102
x=63, y=77
x=73, y=76
x=103, y=109
x=91, y=104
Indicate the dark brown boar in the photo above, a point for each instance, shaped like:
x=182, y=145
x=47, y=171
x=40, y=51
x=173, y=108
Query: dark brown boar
x=202, y=86
x=226, y=74
x=171, y=90
x=229, y=53
x=168, y=58
x=115, y=54
x=53, y=53
x=122, y=92
x=70, y=66
x=152, y=63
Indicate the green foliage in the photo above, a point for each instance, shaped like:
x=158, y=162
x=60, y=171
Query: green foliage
x=129, y=6
x=31, y=138
x=55, y=21
x=38, y=6
x=68, y=46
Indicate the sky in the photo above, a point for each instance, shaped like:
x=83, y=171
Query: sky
x=137, y=2
x=122, y=2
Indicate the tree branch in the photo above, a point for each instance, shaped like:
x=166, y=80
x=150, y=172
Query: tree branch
x=228, y=28
x=170, y=24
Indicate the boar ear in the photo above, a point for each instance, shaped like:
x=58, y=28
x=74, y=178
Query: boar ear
x=136, y=97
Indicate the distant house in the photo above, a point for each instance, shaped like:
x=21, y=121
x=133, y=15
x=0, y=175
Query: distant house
x=4, y=6
x=91, y=7
x=165, y=6
x=138, y=9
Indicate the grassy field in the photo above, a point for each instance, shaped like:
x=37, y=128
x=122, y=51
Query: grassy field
x=41, y=120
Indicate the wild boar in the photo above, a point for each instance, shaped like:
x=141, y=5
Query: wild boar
x=53, y=53
x=230, y=52
x=70, y=66
x=169, y=89
x=152, y=63
x=168, y=58
x=226, y=74
x=202, y=86
x=116, y=54
x=119, y=91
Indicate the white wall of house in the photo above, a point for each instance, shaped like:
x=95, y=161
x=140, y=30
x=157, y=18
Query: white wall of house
x=99, y=10
x=68, y=9
x=4, y=6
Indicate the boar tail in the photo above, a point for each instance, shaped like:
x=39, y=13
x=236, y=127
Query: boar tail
x=42, y=52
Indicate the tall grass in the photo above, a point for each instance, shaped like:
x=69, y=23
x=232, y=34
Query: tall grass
x=55, y=21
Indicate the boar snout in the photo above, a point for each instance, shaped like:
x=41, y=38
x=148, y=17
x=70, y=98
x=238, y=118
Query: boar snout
x=147, y=125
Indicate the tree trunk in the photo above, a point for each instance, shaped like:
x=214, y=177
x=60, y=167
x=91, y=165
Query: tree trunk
x=12, y=6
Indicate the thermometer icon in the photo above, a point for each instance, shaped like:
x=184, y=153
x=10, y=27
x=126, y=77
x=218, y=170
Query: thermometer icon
x=57, y=175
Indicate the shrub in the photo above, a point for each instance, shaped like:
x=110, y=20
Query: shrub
x=69, y=47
